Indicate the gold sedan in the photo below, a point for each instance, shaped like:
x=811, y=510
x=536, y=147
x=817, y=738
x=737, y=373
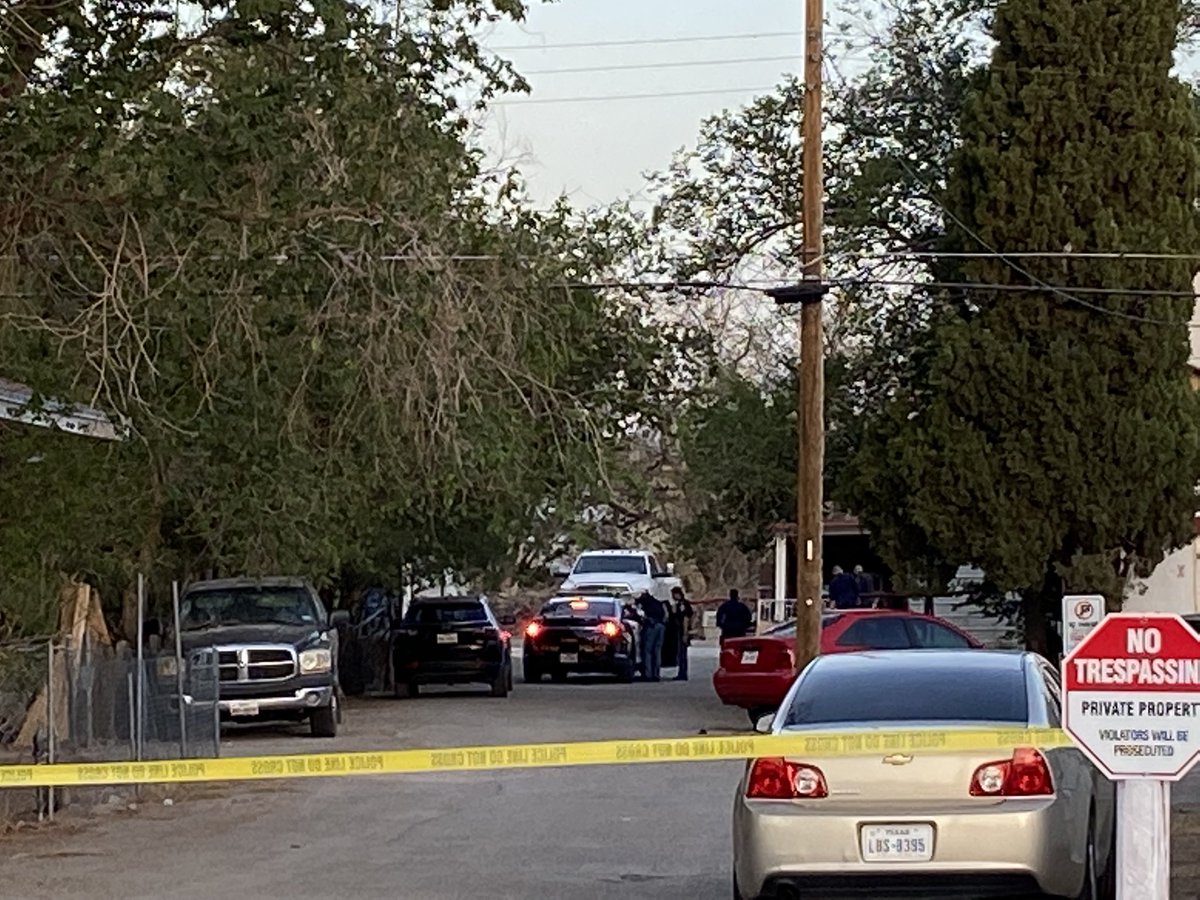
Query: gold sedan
x=924, y=823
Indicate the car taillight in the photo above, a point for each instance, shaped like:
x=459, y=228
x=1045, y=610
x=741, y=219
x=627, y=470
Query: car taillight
x=610, y=629
x=772, y=778
x=533, y=629
x=1025, y=775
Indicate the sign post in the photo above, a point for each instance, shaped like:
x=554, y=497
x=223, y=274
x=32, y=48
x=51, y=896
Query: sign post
x=1081, y=613
x=1132, y=705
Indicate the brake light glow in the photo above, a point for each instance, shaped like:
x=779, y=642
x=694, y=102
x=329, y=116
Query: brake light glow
x=772, y=778
x=1025, y=775
x=533, y=629
x=610, y=629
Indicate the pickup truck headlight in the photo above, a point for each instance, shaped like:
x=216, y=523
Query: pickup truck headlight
x=313, y=662
x=168, y=667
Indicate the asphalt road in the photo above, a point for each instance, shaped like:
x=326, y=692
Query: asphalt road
x=658, y=832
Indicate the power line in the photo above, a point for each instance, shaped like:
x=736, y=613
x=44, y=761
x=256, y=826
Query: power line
x=641, y=42
x=1070, y=296
x=1023, y=288
x=664, y=65
x=608, y=97
x=1030, y=254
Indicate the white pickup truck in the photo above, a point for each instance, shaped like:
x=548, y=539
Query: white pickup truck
x=631, y=571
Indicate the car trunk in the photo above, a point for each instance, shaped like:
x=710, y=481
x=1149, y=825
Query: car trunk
x=446, y=641
x=900, y=780
x=756, y=654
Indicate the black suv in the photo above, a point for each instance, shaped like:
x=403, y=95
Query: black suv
x=276, y=649
x=451, y=640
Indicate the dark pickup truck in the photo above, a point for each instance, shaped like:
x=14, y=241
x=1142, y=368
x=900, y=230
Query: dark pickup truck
x=276, y=649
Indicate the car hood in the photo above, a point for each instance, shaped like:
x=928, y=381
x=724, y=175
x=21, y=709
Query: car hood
x=295, y=635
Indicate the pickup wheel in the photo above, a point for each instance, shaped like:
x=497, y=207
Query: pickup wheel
x=324, y=721
x=530, y=671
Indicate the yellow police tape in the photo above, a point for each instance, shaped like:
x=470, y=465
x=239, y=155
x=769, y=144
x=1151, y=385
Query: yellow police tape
x=810, y=744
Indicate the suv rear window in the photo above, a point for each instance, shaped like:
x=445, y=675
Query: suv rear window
x=832, y=694
x=445, y=613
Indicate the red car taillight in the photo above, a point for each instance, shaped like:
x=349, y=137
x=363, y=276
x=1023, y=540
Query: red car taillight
x=533, y=629
x=772, y=778
x=1025, y=775
x=610, y=629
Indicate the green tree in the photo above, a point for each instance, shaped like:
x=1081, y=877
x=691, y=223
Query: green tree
x=1042, y=429
x=267, y=242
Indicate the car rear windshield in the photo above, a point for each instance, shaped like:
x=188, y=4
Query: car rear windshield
x=624, y=564
x=917, y=693
x=247, y=606
x=445, y=613
x=579, y=608
x=788, y=629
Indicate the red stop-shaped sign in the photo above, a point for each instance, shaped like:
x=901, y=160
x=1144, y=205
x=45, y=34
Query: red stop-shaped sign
x=1133, y=696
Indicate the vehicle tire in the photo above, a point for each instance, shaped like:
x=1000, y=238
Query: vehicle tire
x=558, y=676
x=323, y=722
x=500, y=684
x=626, y=672
x=409, y=689
x=530, y=671
x=508, y=675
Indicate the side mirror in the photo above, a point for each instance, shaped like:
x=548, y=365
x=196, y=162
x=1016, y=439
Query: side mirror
x=508, y=620
x=339, y=618
x=764, y=725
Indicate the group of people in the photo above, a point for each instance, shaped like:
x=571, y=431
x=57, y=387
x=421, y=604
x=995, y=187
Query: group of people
x=672, y=624
x=850, y=591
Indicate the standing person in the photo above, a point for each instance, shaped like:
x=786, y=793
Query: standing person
x=655, y=615
x=865, y=586
x=843, y=589
x=682, y=616
x=733, y=617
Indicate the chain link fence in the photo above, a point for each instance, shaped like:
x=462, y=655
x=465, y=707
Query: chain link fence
x=87, y=703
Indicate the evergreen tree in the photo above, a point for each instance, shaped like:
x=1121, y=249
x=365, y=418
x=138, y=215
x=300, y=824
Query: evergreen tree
x=1049, y=422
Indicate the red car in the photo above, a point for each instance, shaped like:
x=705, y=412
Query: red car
x=756, y=672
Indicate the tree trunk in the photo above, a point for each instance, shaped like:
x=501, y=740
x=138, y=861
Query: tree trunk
x=1040, y=608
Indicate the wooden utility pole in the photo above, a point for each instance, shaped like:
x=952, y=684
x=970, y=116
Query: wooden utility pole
x=810, y=499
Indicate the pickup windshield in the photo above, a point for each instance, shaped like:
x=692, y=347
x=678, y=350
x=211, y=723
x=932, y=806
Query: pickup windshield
x=247, y=606
x=615, y=563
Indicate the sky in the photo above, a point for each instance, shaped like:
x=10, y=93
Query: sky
x=598, y=151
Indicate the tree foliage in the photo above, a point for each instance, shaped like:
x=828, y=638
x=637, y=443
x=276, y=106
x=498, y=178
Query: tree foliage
x=266, y=242
x=1045, y=426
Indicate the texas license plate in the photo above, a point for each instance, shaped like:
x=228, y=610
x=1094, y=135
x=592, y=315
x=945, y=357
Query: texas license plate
x=568, y=657
x=749, y=657
x=447, y=638
x=243, y=707
x=897, y=843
